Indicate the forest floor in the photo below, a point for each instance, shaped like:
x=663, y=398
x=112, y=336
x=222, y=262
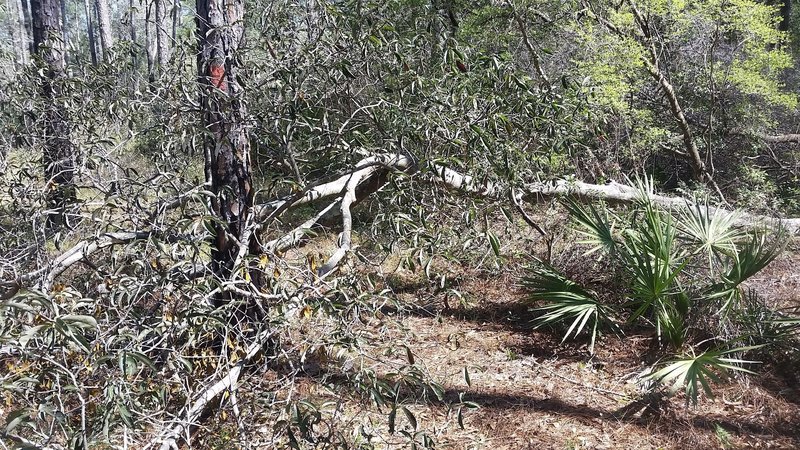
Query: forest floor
x=536, y=393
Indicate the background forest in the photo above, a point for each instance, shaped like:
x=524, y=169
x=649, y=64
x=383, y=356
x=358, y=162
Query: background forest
x=357, y=224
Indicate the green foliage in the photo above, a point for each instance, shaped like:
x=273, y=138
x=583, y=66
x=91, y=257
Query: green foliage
x=691, y=371
x=565, y=300
x=127, y=335
x=659, y=255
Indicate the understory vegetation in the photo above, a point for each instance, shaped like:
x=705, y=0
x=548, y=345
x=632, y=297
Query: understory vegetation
x=354, y=224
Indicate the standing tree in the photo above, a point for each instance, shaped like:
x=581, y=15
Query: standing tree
x=25, y=8
x=90, y=30
x=58, y=163
x=162, y=46
x=220, y=30
x=19, y=36
x=104, y=24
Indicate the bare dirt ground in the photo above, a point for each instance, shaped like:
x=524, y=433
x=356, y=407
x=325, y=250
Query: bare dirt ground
x=536, y=393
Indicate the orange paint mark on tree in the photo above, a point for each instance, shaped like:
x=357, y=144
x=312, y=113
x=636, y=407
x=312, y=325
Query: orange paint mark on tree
x=217, y=74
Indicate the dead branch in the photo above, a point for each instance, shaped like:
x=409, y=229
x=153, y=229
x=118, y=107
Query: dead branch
x=294, y=237
x=85, y=248
x=173, y=434
x=318, y=191
x=782, y=138
x=620, y=193
x=347, y=221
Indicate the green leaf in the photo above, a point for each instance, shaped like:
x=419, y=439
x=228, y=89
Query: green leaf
x=392, y=419
x=494, y=242
x=80, y=320
x=17, y=418
x=565, y=300
x=410, y=417
x=691, y=370
x=597, y=230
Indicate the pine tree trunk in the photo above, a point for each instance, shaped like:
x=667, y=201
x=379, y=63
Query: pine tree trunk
x=64, y=33
x=148, y=45
x=58, y=150
x=132, y=34
x=104, y=24
x=227, y=148
x=90, y=30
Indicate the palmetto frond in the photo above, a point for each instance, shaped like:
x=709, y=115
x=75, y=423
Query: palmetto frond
x=693, y=370
x=751, y=258
x=713, y=231
x=565, y=300
x=595, y=226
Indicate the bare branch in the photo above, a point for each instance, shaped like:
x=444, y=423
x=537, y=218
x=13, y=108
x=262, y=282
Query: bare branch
x=172, y=435
x=616, y=192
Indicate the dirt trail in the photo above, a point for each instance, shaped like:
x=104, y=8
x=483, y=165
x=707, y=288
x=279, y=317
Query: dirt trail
x=535, y=393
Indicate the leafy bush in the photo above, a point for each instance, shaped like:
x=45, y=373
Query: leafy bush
x=683, y=271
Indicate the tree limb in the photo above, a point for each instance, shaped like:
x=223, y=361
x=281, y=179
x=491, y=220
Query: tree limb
x=169, y=437
x=616, y=192
x=782, y=138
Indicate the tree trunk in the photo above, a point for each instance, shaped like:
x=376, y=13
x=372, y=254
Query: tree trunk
x=176, y=14
x=220, y=30
x=90, y=30
x=18, y=34
x=132, y=34
x=104, y=23
x=26, y=12
x=57, y=158
x=162, y=44
x=786, y=15
x=64, y=33
x=148, y=45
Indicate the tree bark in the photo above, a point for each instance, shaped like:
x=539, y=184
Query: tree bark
x=220, y=31
x=176, y=15
x=104, y=24
x=782, y=138
x=58, y=152
x=90, y=31
x=148, y=45
x=162, y=44
x=19, y=36
x=26, y=12
x=132, y=33
x=64, y=33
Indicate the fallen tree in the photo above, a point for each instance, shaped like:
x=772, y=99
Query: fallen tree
x=373, y=169
x=334, y=200
x=621, y=193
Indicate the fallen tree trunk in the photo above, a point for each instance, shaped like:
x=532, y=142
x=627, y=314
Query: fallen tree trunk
x=621, y=193
x=782, y=138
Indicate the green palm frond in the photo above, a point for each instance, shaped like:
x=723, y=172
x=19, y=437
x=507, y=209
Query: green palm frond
x=713, y=232
x=693, y=370
x=646, y=188
x=751, y=258
x=565, y=300
x=670, y=317
x=595, y=227
x=651, y=256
